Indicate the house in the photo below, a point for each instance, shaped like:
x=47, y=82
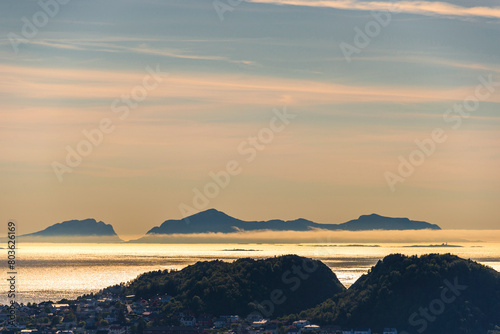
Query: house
x=129, y=297
x=205, y=321
x=254, y=316
x=331, y=329
x=110, y=319
x=219, y=323
x=390, y=331
x=301, y=323
x=270, y=328
x=363, y=331
x=188, y=321
x=79, y=330
x=117, y=330
x=293, y=330
x=171, y=330
x=25, y=309
x=233, y=318
x=259, y=323
x=311, y=328
x=29, y=331
x=165, y=298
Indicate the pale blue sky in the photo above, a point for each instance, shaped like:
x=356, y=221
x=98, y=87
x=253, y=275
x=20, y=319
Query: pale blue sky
x=225, y=77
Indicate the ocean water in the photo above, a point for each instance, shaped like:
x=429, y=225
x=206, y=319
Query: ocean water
x=56, y=271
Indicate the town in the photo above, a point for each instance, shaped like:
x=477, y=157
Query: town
x=116, y=314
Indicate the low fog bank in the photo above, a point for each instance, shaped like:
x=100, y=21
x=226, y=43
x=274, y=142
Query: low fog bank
x=322, y=236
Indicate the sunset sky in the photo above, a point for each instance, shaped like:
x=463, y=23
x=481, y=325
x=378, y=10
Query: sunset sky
x=228, y=79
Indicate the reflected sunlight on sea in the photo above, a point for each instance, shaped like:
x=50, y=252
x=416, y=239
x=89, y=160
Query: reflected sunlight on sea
x=56, y=271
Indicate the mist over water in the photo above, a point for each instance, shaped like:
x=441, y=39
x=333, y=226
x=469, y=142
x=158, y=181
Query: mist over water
x=54, y=271
x=325, y=236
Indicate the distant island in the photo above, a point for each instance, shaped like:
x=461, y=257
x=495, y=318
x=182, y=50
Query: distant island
x=352, y=245
x=87, y=230
x=241, y=250
x=443, y=245
x=214, y=221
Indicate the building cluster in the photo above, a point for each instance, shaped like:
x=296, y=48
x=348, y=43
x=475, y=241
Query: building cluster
x=113, y=314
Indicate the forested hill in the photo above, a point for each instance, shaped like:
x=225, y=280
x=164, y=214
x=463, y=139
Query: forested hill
x=281, y=285
x=428, y=294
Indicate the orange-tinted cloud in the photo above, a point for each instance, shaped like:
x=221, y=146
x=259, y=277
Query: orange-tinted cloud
x=410, y=7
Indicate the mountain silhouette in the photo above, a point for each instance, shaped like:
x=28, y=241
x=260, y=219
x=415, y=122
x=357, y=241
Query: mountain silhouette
x=89, y=229
x=214, y=221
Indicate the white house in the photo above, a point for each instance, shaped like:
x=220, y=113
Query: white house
x=301, y=323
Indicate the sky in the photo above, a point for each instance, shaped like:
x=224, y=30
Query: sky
x=137, y=111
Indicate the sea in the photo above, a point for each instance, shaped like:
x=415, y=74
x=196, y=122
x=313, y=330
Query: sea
x=55, y=271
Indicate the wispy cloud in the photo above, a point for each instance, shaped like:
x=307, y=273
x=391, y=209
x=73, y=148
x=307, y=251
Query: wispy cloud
x=143, y=49
x=415, y=58
x=90, y=23
x=411, y=7
x=215, y=90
